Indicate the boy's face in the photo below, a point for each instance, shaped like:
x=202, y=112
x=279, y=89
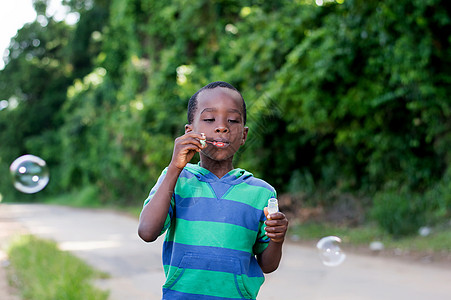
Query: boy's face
x=219, y=115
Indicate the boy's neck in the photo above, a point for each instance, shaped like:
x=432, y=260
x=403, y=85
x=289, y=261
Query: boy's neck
x=219, y=168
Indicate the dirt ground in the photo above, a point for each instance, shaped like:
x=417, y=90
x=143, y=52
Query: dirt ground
x=9, y=228
x=108, y=241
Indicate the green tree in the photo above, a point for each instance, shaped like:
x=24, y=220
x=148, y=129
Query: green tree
x=347, y=97
x=40, y=67
x=34, y=81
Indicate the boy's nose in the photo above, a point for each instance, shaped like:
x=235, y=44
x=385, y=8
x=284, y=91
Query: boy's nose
x=221, y=129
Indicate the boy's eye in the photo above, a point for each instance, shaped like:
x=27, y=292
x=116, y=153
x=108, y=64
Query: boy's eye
x=209, y=120
x=234, y=121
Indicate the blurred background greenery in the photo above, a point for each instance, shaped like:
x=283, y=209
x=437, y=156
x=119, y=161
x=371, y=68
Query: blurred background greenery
x=348, y=101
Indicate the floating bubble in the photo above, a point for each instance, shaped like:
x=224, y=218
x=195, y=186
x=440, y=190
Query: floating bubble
x=4, y=104
x=329, y=251
x=376, y=246
x=30, y=174
x=424, y=231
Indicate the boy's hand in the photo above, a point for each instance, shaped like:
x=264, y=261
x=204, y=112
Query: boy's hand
x=185, y=147
x=276, y=226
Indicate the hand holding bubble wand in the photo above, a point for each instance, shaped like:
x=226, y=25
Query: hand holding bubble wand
x=203, y=141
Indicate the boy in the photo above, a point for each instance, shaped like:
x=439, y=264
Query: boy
x=219, y=240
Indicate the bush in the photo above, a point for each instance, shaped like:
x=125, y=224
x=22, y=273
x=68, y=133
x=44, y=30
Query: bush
x=399, y=213
x=438, y=200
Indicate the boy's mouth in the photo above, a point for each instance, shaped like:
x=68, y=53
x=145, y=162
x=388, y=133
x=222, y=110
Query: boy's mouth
x=219, y=144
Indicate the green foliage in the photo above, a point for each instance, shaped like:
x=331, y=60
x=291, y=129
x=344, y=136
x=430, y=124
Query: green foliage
x=87, y=196
x=404, y=212
x=399, y=213
x=42, y=271
x=34, y=83
x=359, y=85
x=40, y=68
x=351, y=96
x=438, y=199
x=438, y=241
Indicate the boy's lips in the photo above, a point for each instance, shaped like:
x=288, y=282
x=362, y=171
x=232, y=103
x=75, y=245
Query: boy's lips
x=219, y=143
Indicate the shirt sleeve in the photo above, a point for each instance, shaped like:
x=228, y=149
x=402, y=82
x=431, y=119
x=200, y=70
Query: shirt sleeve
x=167, y=222
x=262, y=240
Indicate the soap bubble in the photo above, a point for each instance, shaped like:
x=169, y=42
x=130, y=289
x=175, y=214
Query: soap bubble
x=376, y=246
x=30, y=174
x=329, y=251
x=424, y=231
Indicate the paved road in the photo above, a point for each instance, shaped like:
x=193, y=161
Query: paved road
x=109, y=242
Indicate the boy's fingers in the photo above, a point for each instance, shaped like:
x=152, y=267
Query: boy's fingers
x=195, y=135
x=277, y=216
x=276, y=222
x=190, y=141
x=273, y=216
x=277, y=219
x=199, y=139
x=276, y=237
x=188, y=138
x=276, y=229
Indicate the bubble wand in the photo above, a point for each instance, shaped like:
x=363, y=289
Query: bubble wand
x=204, y=140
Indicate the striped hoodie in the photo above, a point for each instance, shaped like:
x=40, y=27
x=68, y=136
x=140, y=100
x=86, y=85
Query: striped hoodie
x=215, y=228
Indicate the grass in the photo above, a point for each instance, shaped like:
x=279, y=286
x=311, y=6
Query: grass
x=439, y=241
x=43, y=272
x=87, y=197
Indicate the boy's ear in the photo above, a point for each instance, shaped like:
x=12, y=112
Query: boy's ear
x=188, y=128
x=244, y=138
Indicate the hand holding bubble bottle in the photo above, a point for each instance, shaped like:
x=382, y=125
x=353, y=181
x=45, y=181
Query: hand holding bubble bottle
x=276, y=223
x=273, y=206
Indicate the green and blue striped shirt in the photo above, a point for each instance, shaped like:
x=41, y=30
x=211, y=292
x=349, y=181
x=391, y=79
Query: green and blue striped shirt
x=215, y=228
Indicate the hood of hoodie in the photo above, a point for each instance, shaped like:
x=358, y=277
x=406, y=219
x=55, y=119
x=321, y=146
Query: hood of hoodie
x=233, y=177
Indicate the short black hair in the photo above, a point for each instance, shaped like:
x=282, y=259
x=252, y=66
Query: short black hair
x=192, y=103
